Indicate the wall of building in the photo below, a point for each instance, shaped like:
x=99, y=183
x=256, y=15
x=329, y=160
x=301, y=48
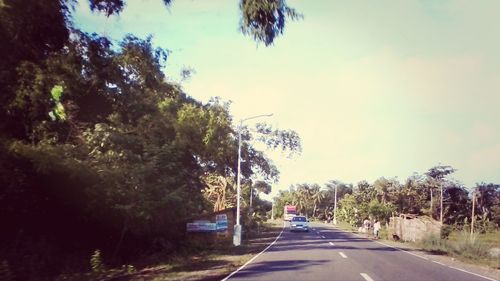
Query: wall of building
x=412, y=228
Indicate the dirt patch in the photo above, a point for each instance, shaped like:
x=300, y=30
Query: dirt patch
x=214, y=264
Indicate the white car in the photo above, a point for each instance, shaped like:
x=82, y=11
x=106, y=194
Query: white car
x=299, y=223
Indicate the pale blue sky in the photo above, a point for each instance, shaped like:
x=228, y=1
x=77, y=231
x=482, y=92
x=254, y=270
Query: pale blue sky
x=374, y=88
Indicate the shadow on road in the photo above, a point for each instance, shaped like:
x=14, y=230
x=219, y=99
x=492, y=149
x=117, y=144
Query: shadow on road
x=282, y=265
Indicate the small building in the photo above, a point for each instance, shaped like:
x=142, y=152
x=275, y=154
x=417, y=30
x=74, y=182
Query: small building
x=412, y=228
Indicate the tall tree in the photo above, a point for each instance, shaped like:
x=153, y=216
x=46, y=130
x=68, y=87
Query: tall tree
x=436, y=176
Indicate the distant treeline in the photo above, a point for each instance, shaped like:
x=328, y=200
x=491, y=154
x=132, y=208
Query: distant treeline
x=420, y=194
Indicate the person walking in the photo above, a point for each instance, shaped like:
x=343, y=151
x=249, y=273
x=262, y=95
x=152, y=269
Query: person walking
x=376, y=229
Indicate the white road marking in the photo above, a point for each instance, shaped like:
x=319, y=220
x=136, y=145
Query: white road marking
x=252, y=259
x=343, y=255
x=331, y=243
x=438, y=262
x=367, y=278
x=463, y=270
x=418, y=256
x=422, y=257
x=323, y=237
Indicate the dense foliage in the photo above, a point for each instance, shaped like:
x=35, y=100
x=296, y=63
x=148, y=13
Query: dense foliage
x=98, y=150
x=419, y=194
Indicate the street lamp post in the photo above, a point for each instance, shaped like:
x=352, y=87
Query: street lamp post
x=237, y=227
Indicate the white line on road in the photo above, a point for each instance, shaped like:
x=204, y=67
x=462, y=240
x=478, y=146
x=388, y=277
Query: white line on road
x=252, y=259
x=323, y=237
x=422, y=257
x=331, y=243
x=418, y=256
x=367, y=278
x=463, y=270
x=343, y=255
x=438, y=262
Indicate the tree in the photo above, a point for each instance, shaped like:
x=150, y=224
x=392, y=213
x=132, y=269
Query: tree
x=265, y=20
x=93, y=135
x=262, y=20
x=488, y=201
x=436, y=177
x=317, y=196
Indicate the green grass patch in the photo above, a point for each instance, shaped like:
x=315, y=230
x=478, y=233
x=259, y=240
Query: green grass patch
x=491, y=238
x=460, y=244
x=345, y=226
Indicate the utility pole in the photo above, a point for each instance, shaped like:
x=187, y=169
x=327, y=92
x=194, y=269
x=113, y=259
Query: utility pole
x=335, y=207
x=272, y=211
x=251, y=193
x=441, y=217
x=472, y=217
x=432, y=210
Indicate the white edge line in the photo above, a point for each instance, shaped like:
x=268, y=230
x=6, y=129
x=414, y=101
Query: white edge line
x=438, y=262
x=252, y=259
x=367, y=278
x=419, y=256
x=343, y=255
x=472, y=273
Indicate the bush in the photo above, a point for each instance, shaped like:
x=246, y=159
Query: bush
x=470, y=247
x=434, y=243
x=445, y=231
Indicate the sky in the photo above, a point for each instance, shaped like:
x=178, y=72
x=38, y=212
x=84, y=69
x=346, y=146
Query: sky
x=373, y=88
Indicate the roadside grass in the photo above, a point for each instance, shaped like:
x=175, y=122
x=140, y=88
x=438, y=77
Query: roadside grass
x=345, y=226
x=211, y=262
x=459, y=245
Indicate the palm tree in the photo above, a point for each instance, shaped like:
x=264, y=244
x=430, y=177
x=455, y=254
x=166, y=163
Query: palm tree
x=317, y=195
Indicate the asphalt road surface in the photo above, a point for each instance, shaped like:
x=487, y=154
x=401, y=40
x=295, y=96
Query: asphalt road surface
x=326, y=253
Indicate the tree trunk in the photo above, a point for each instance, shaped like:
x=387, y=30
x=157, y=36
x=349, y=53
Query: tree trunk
x=122, y=235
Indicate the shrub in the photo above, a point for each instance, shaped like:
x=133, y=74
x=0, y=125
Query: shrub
x=434, y=243
x=445, y=231
x=96, y=262
x=470, y=247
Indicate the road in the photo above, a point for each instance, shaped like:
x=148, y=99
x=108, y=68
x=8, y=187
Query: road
x=327, y=253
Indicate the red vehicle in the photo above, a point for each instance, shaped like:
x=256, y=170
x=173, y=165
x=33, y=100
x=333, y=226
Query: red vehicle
x=289, y=212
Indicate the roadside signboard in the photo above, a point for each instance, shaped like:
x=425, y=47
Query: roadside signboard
x=221, y=222
x=201, y=226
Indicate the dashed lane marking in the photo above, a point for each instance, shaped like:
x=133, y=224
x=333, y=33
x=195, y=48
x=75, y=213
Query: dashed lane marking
x=331, y=243
x=343, y=255
x=425, y=258
x=323, y=237
x=366, y=276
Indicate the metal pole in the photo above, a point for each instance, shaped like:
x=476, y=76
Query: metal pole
x=238, y=187
x=237, y=227
x=432, y=210
x=272, y=211
x=472, y=218
x=251, y=197
x=335, y=207
x=441, y=218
